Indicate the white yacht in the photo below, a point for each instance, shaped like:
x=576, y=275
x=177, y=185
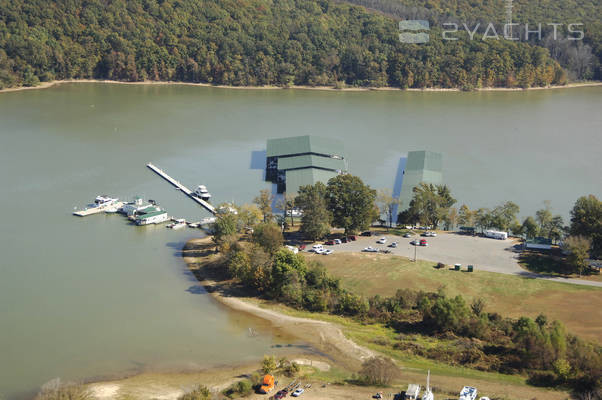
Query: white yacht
x=428, y=395
x=468, y=393
x=202, y=192
x=101, y=203
x=104, y=201
x=177, y=224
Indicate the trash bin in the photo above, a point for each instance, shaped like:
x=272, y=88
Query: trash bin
x=457, y=267
x=470, y=268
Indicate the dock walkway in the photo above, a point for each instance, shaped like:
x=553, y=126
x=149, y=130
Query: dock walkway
x=97, y=210
x=183, y=188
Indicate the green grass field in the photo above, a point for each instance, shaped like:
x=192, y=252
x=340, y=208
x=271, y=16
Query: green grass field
x=578, y=307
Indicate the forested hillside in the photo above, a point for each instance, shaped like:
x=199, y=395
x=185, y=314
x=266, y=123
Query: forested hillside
x=583, y=58
x=247, y=42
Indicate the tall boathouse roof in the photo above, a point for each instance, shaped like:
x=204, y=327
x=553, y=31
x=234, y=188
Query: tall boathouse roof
x=309, y=160
x=299, y=145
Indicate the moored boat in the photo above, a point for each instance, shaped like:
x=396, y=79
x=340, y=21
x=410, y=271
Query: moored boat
x=202, y=192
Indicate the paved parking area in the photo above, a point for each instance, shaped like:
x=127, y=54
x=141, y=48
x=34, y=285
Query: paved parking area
x=485, y=254
x=449, y=248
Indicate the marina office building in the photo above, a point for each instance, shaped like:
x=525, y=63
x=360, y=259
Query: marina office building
x=303, y=160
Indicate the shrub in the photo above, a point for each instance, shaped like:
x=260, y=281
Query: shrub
x=292, y=369
x=379, y=371
x=199, y=393
x=239, y=389
x=56, y=390
x=268, y=364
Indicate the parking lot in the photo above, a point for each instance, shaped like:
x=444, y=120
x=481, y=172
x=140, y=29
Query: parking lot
x=449, y=248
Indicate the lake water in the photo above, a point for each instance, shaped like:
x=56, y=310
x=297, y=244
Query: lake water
x=96, y=296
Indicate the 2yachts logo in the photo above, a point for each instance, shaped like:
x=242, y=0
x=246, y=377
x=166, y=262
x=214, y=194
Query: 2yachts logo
x=416, y=31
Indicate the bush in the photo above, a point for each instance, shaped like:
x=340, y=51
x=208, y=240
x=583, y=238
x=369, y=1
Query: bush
x=56, y=390
x=292, y=369
x=199, y=393
x=239, y=389
x=269, y=364
x=379, y=371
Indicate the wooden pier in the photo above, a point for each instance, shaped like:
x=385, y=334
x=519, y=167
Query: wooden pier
x=181, y=187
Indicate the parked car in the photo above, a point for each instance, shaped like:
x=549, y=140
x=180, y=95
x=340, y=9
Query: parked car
x=370, y=249
x=423, y=242
x=316, y=247
x=302, y=247
x=280, y=395
x=393, y=245
x=345, y=240
x=293, y=249
x=298, y=392
x=327, y=252
x=415, y=242
x=353, y=238
x=430, y=234
x=407, y=235
x=382, y=240
x=319, y=250
x=337, y=241
x=367, y=233
x=329, y=243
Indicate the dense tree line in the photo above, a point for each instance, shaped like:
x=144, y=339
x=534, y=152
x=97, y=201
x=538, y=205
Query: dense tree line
x=582, y=58
x=247, y=42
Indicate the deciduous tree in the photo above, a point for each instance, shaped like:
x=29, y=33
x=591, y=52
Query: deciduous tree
x=586, y=220
x=264, y=202
x=578, y=248
x=387, y=204
x=351, y=203
x=315, y=221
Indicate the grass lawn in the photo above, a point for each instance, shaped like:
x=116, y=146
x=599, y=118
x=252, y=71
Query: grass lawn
x=578, y=307
x=552, y=263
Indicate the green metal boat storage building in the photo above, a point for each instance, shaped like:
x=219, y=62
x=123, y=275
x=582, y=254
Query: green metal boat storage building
x=303, y=160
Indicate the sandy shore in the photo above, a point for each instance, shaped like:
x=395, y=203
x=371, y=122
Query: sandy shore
x=45, y=85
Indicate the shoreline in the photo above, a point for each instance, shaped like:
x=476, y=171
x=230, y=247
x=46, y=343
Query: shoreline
x=46, y=85
x=324, y=336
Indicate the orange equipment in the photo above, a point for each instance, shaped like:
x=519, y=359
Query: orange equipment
x=267, y=384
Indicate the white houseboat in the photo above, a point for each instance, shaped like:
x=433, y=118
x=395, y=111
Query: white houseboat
x=150, y=215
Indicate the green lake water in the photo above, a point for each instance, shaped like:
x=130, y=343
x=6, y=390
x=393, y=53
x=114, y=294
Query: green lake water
x=92, y=297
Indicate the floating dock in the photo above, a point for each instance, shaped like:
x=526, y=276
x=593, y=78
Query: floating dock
x=96, y=210
x=181, y=187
